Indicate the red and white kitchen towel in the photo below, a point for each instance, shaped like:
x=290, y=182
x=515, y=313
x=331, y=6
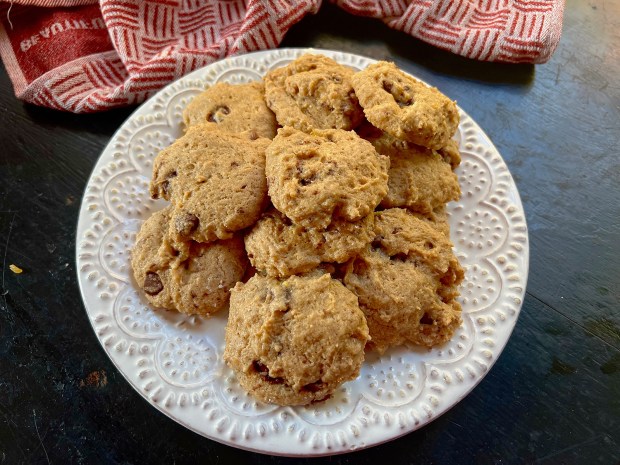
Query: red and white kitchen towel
x=86, y=56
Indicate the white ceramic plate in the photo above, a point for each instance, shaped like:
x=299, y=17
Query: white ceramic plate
x=175, y=361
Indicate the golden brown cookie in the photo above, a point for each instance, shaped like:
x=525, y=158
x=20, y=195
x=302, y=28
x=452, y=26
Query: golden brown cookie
x=233, y=108
x=398, y=231
x=438, y=219
x=407, y=282
x=313, y=92
x=381, y=140
x=198, y=284
x=215, y=181
x=404, y=107
x=325, y=175
x=280, y=248
x=419, y=179
x=152, y=260
x=294, y=341
x=451, y=154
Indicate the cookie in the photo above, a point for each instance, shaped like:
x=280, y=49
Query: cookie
x=419, y=179
x=398, y=231
x=196, y=285
x=294, y=341
x=407, y=282
x=381, y=140
x=404, y=107
x=215, y=180
x=233, y=108
x=437, y=218
x=152, y=260
x=324, y=175
x=451, y=154
x=313, y=92
x=280, y=248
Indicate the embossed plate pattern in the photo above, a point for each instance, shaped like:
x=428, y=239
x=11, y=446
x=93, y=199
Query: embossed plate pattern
x=175, y=361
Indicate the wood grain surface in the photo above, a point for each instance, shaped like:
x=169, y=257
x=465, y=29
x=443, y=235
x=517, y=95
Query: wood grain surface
x=553, y=397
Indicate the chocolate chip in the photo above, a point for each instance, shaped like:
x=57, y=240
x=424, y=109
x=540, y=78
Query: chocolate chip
x=308, y=180
x=400, y=257
x=165, y=188
x=387, y=86
x=271, y=380
x=377, y=242
x=426, y=320
x=263, y=371
x=260, y=367
x=152, y=284
x=314, y=387
x=217, y=115
x=165, y=185
x=186, y=223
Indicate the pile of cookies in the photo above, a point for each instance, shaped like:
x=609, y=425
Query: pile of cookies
x=313, y=203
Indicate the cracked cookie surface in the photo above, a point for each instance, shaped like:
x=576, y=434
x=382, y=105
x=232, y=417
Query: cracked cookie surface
x=313, y=91
x=404, y=107
x=419, y=179
x=215, y=181
x=280, y=248
x=407, y=282
x=197, y=285
x=294, y=341
x=233, y=108
x=324, y=175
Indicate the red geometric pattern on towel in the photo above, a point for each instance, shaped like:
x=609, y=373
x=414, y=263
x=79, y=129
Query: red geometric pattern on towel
x=78, y=56
x=514, y=31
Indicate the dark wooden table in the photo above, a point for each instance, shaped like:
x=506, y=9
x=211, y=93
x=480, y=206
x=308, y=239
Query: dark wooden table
x=553, y=396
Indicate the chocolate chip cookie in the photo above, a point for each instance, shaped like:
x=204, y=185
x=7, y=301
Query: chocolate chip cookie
x=419, y=179
x=324, y=175
x=313, y=91
x=198, y=284
x=404, y=107
x=233, y=108
x=294, y=341
x=215, y=181
x=407, y=282
x=280, y=248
